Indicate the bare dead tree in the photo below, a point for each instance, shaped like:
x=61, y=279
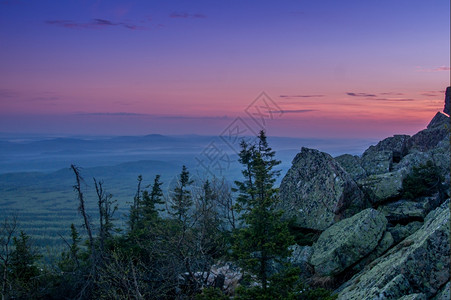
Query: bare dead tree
x=81, y=208
x=106, y=211
x=92, y=274
x=225, y=202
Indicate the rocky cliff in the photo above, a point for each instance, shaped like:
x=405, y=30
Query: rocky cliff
x=377, y=240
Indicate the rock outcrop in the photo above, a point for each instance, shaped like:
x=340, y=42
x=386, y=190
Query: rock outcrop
x=351, y=164
x=406, y=211
x=300, y=257
x=381, y=187
x=419, y=264
x=317, y=192
x=428, y=138
x=447, y=107
x=379, y=159
x=400, y=232
x=374, y=243
x=444, y=293
x=348, y=241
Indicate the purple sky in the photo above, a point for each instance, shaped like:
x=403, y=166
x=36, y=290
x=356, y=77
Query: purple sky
x=335, y=68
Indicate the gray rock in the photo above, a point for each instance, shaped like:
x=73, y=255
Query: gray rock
x=419, y=264
x=444, y=293
x=380, y=158
x=383, y=186
x=429, y=138
x=377, y=162
x=224, y=275
x=413, y=159
x=403, y=211
x=441, y=157
x=300, y=257
x=395, y=288
x=400, y=232
x=347, y=242
x=384, y=244
x=446, y=109
x=420, y=296
x=317, y=192
x=439, y=120
x=351, y=164
x=300, y=254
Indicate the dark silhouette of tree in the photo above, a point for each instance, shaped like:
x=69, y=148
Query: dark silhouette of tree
x=263, y=237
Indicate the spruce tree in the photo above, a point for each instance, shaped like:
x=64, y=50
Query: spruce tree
x=182, y=200
x=263, y=238
x=149, y=210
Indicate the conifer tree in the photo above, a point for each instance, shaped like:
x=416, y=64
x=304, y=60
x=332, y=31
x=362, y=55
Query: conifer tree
x=263, y=238
x=149, y=210
x=182, y=201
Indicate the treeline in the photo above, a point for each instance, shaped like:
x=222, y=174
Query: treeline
x=170, y=244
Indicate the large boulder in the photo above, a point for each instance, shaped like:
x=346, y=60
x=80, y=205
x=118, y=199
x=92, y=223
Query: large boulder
x=441, y=157
x=348, y=241
x=377, y=162
x=429, y=138
x=405, y=211
x=382, y=187
x=438, y=121
x=300, y=257
x=351, y=164
x=419, y=296
x=414, y=159
x=316, y=192
x=447, y=107
x=444, y=293
x=384, y=244
x=419, y=264
x=380, y=158
x=400, y=232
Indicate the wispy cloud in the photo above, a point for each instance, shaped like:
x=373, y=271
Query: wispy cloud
x=115, y=114
x=292, y=111
x=360, y=94
x=43, y=99
x=300, y=96
x=185, y=15
x=437, y=69
x=93, y=24
x=7, y=93
x=394, y=99
x=154, y=116
x=392, y=94
x=442, y=68
x=432, y=93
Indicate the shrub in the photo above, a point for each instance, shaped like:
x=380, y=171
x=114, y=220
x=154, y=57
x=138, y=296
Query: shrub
x=424, y=180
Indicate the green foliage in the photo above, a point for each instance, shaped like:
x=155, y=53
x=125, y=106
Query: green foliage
x=70, y=260
x=22, y=269
x=424, y=180
x=182, y=201
x=211, y=294
x=301, y=236
x=171, y=258
x=144, y=214
x=316, y=294
x=23, y=259
x=264, y=237
x=283, y=285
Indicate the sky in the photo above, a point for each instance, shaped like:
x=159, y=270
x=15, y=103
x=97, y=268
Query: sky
x=305, y=68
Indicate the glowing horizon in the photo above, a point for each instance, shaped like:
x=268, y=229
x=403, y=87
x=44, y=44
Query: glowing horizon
x=348, y=69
